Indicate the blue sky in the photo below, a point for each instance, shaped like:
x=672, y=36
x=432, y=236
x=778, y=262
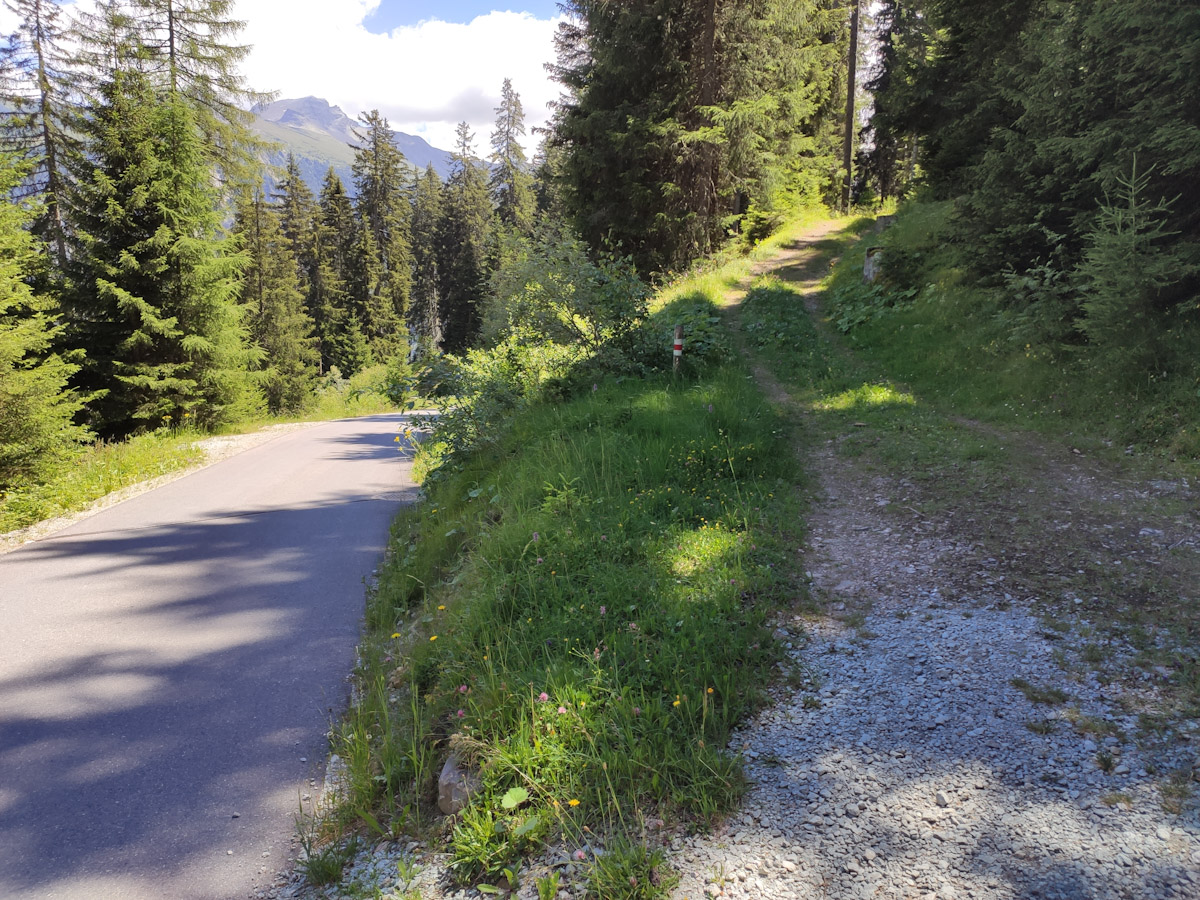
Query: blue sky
x=393, y=13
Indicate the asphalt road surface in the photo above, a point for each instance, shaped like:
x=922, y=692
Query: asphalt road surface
x=169, y=669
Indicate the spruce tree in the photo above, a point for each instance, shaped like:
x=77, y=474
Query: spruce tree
x=462, y=245
x=192, y=52
x=424, y=323
x=274, y=301
x=155, y=289
x=339, y=329
x=511, y=184
x=37, y=406
x=38, y=115
x=384, y=254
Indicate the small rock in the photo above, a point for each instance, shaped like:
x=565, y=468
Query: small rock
x=942, y=799
x=455, y=786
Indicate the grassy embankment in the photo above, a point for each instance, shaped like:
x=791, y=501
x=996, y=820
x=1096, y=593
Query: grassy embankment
x=579, y=612
x=108, y=466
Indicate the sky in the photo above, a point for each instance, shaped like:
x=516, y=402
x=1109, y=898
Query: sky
x=424, y=64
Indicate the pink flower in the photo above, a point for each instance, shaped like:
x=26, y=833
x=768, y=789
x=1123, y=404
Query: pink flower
x=462, y=688
x=603, y=610
x=536, y=537
x=460, y=714
x=633, y=881
x=543, y=697
x=579, y=854
x=637, y=710
x=562, y=710
x=604, y=537
x=539, y=560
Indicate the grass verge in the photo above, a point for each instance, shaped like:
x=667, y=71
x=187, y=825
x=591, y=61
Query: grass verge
x=579, y=614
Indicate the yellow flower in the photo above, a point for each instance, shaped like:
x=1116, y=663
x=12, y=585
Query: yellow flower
x=710, y=690
x=395, y=634
x=572, y=803
x=433, y=637
x=443, y=606
x=676, y=703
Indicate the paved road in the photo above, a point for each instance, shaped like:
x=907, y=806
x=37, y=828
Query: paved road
x=169, y=668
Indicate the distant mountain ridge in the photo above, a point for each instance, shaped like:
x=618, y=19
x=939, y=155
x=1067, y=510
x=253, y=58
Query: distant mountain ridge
x=320, y=135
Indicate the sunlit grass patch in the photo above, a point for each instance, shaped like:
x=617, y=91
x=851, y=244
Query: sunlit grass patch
x=580, y=612
x=866, y=396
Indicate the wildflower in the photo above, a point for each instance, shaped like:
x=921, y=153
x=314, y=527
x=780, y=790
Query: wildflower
x=573, y=803
x=676, y=703
x=604, y=537
x=460, y=714
x=710, y=407
x=710, y=690
x=536, y=537
x=603, y=610
x=579, y=854
x=433, y=637
x=395, y=634
x=540, y=560
x=462, y=689
x=637, y=711
x=633, y=881
x=543, y=697
x=443, y=606
x=562, y=710
x=595, y=387
x=596, y=654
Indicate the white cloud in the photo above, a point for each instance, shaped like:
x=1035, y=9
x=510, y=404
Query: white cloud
x=425, y=78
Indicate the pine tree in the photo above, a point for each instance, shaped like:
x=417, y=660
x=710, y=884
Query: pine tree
x=511, y=184
x=155, y=281
x=384, y=254
x=272, y=293
x=36, y=405
x=424, y=323
x=38, y=117
x=462, y=244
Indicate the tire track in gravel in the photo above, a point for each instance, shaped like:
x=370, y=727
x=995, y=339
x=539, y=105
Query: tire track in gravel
x=909, y=765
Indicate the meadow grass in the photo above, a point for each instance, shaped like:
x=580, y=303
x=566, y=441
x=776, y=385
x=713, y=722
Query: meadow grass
x=580, y=612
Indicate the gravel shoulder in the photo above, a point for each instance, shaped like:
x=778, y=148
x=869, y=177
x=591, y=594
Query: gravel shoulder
x=947, y=739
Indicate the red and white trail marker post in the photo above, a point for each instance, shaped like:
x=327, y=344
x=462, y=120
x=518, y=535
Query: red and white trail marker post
x=678, y=347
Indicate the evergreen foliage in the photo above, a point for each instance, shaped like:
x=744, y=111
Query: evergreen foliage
x=155, y=281
x=679, y=118
x=339, y=328
x=272, y=293
x=37, y=116
x=36, y=406
x=382, y=276
x=511, y=184
x=462, y=245
x=424, y=322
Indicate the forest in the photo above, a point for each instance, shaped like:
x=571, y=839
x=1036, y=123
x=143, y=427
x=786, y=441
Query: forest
x=149, y=277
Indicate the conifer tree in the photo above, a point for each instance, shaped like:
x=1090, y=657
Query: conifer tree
x=155, y=289
x=424, y=323
x=511, y=183
x=38, y=117
x=36, y=405
x=462, y=242
x=384, y=247
x=192, y=51
x=339, y=329
x=274, y=300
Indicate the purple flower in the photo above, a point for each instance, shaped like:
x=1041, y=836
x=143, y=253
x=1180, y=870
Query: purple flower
x=460, y=714
x=536, y=537
x=603, y=610
x=539, y=560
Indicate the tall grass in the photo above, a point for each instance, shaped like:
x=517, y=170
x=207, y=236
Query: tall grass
x=579, y=611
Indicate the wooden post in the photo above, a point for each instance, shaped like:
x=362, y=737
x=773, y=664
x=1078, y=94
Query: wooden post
x=678, y=347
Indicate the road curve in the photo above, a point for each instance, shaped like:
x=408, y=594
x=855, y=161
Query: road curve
x=169, y=668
